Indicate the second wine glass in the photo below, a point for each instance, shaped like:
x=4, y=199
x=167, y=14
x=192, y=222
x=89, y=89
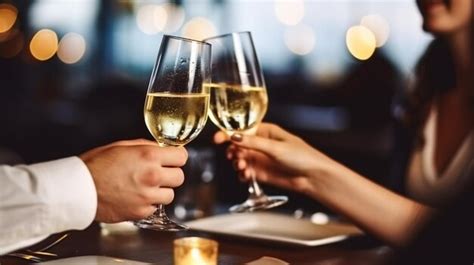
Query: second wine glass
x=239, y=101
x=176, y=103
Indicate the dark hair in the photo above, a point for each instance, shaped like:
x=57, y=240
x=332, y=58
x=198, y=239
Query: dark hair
x=434, y=75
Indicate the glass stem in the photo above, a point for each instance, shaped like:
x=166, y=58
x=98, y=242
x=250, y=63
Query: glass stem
x=160, y=211
x=254, y=188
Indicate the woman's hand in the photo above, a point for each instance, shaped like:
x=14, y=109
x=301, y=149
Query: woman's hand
x=276, y=157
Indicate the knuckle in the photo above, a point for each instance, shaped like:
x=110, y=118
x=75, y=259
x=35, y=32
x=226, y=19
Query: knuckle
x=274, y=127
x=143, y=198
x=141, y=212
x=300, y=186
x=153, y=177
x=149, y=154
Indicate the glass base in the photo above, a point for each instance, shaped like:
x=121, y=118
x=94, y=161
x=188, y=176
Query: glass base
x=260, y=203
x=160, y=224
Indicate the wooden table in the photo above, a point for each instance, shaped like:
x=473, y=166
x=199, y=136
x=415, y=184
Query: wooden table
x=157, y=247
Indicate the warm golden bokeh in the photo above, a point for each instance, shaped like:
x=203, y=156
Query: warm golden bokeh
x=361, y=42
x=300, y=39
x=152, y=19
x=8, y=16
x=199, y=28
x=176, y=16
x=379, y=26
x=71, y=48
x=44, y=44
x=289, y=12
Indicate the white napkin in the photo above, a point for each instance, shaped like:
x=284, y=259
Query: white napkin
x=118, y=228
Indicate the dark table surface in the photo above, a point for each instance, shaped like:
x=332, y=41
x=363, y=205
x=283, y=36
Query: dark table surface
x=157, y=247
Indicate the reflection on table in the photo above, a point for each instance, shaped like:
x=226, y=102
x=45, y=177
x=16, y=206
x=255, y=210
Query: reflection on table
x=157, y=247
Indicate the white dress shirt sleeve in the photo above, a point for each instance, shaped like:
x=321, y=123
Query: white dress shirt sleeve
x=42, y=199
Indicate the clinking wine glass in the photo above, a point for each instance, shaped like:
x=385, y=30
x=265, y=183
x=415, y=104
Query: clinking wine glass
x=176, y=104
x=239, y=101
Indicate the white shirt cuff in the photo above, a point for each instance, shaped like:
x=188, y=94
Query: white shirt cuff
x=69, y=193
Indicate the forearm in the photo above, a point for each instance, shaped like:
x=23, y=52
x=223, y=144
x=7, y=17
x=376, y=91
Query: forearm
x=389, y=216
x=42, y=199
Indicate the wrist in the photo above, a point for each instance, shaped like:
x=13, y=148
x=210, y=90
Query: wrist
x=323, y=176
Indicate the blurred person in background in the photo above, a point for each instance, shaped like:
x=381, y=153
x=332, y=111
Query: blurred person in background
x=117, y=182
x=439, y=112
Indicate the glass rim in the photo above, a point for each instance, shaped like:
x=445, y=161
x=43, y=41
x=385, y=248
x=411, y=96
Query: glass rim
x=228, y=34
x=185, y=39
x=195, y=241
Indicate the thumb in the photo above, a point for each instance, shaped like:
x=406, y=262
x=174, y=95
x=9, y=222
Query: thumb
x=253, y=142
x=220, y=137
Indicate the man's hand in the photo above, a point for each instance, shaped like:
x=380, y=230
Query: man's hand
x=132, y=176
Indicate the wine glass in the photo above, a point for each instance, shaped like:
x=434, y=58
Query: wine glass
x=239, y=101
x=176, y=103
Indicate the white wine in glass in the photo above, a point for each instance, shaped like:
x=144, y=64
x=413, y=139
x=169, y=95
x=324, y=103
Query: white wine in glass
x=174, y=119
x=176, y=104
x=239, y=101
x=236, y=107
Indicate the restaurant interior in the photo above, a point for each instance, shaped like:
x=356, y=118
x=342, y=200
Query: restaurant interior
x=74, y=75
x=83, y=83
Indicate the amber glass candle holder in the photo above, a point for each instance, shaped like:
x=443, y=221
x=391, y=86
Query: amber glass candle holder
x=195, y=250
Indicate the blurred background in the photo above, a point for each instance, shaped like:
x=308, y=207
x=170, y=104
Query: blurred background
x=74, y=73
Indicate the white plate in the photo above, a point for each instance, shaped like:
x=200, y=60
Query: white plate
x=275, y=227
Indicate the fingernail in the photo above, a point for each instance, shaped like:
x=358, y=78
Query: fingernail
x=236, y=137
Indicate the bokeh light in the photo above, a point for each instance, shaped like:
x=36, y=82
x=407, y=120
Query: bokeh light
x=151, y=19
x=71, y=48
x=361, y=42
x=199, y=28
x=320, y=218
x=8, y=16
x=379, y=26
x=44, y=44
x=176, y=16
x=300, y=39
x=289, y=12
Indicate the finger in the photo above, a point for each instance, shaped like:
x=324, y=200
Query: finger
x=171, y=177
x=99, y=149
x=247, y=173
x=263, y=177
x=220, y=137
x=265, y=145
x=242, y=177
x=141, y=212
x=132, y=142
x=235, y=153
x=166, y=156
x=273, y=131
x=230, y=151
x=239, y=164
x=229, y=155
x=241, y=154
x=163, y=196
